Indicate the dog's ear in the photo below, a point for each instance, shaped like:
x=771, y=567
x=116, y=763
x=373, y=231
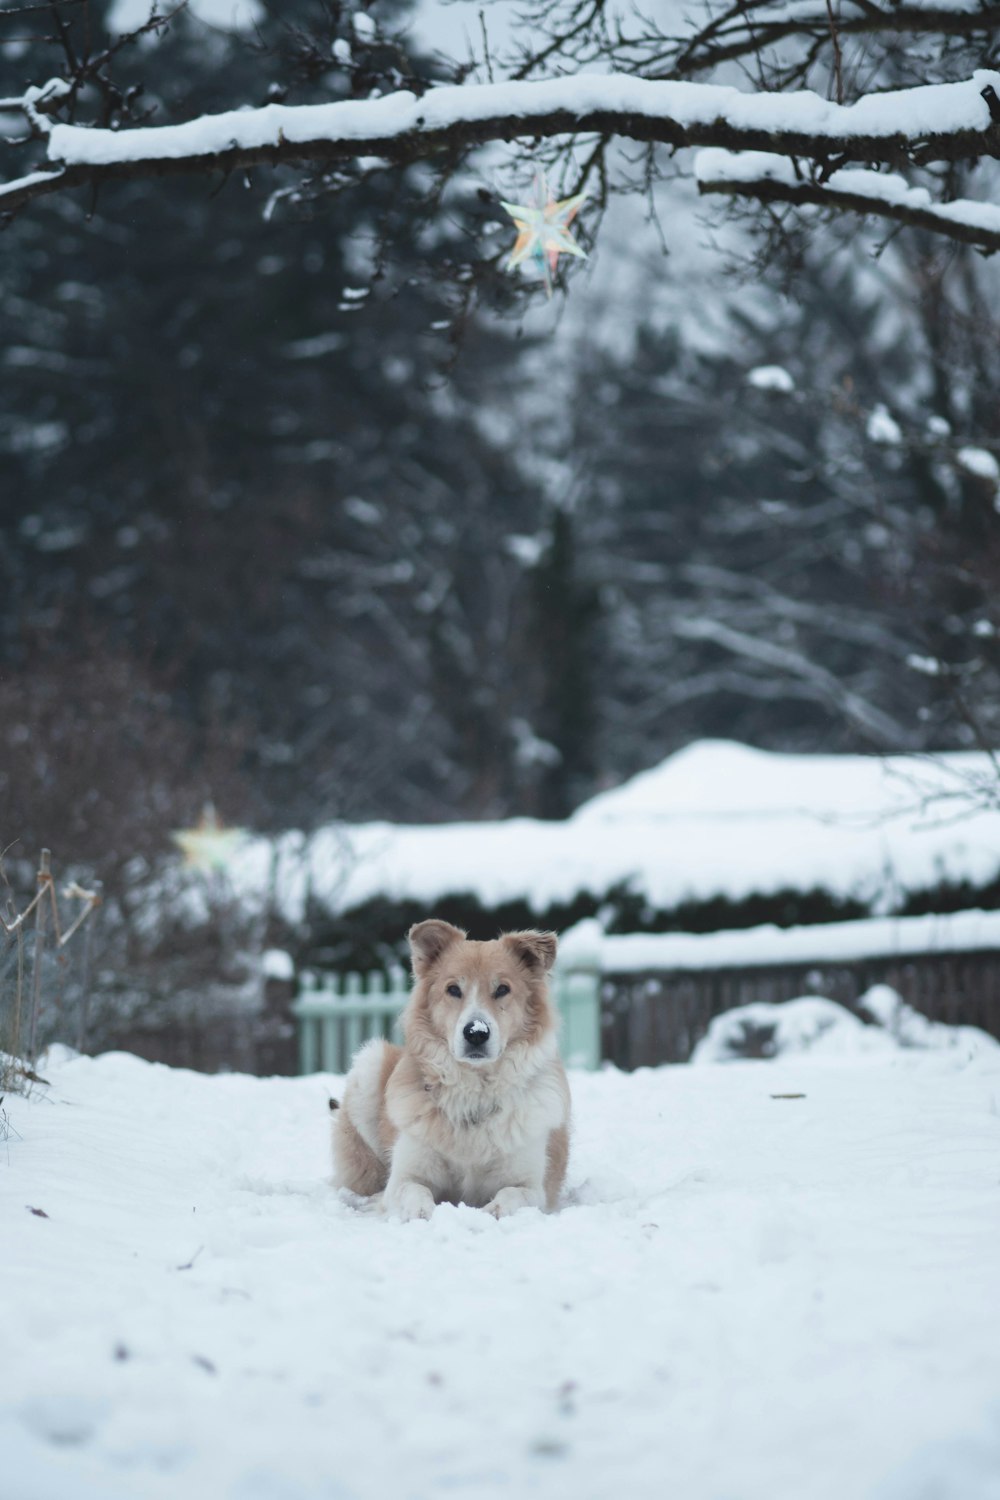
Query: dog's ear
x=533, y=950
x=428, y=940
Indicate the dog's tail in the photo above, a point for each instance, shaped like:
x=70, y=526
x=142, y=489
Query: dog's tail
x=334, y=1104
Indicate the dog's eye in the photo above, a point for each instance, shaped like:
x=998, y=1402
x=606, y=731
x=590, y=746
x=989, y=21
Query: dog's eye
x=500, y=991
x=453, y=989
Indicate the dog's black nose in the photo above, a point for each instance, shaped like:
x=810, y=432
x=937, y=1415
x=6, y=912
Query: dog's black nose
x=476, y=1033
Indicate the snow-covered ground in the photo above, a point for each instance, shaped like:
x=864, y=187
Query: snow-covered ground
x=751, y=1295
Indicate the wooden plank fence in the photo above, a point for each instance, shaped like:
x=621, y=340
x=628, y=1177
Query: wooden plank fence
x=653, y=1017
x=337, y=1013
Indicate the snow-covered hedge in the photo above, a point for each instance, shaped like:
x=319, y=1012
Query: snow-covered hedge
x=717, y=822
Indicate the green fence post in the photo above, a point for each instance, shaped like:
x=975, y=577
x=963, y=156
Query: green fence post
x=308, y=1029
x=353, y=1017
x=328, y=1025
x=378, y=1003
x=579, y=995
x=399, y=993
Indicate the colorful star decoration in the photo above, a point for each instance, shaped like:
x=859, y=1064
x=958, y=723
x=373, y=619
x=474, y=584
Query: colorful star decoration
x=209, y=846
x=543, y=230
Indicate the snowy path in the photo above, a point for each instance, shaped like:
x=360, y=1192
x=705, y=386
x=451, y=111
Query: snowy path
x=749, y=1298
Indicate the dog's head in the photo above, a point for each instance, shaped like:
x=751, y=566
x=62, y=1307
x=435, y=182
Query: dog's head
x=478, y=999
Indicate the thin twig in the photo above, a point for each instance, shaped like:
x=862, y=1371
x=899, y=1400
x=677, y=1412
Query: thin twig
x=838, y=67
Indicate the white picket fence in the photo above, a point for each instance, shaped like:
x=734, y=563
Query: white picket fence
x=336, y=1013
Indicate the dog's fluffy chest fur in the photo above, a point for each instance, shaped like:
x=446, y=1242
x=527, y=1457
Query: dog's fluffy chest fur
x=477, y=1136
x=488, y=1114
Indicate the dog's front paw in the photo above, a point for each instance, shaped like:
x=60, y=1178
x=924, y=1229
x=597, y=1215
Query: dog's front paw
x=410, y=1200
x=509, y=1199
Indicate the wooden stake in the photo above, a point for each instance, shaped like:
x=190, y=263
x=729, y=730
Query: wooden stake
x=88, y=960
x=41, y=922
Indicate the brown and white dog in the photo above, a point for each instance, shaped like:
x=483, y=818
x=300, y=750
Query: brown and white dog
x=474, y=1107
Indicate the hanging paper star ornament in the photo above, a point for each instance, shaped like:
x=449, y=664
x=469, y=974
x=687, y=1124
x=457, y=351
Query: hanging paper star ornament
x=209, y=846
x=543, y=230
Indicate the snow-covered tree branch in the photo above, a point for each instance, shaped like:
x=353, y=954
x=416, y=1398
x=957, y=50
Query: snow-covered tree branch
x=768, y=178
x=794, y=147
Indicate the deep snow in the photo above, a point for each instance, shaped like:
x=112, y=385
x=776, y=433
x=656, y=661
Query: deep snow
x=748, y=1297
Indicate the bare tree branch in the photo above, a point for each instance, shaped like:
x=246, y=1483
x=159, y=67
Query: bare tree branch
x=582, y=35
x=879, y=725
x=736, y=34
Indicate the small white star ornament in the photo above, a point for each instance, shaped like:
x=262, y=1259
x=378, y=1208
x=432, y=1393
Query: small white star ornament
x=543, y=230
x=209, y=846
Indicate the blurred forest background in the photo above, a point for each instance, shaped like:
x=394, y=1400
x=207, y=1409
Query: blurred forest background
x=289, y=525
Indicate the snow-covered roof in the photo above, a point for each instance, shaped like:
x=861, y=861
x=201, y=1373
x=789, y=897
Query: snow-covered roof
x=716, y=819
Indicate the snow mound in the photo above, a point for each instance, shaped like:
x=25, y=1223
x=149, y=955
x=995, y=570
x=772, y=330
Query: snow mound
x=809, y=1024
x=813, y=1023
x=908, y=1028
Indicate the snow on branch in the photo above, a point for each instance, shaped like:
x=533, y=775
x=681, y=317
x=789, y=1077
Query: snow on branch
x=767, y=178
x=35, y=185
x=933, y=123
